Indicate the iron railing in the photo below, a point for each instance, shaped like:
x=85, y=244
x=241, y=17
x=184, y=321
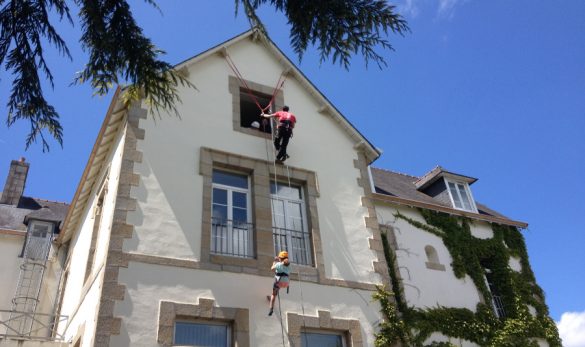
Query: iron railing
x=295, y=242
x=233, y=238
x=30, y=325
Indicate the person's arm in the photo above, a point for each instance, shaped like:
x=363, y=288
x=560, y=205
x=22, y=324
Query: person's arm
x=274, y=263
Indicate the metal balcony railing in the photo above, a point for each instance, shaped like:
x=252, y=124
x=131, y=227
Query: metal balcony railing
x=30, y=325
x=232, y=238
x=295, y=242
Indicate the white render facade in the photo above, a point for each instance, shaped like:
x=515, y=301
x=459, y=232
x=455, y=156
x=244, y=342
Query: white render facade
x=153, y=258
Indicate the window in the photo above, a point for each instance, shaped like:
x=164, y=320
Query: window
x=231, y=230
x=461, y=196
x=38, y=240
x=322, y=339
x=208, y=334
x=289, y=223
x=497, y=302
x=249, y=111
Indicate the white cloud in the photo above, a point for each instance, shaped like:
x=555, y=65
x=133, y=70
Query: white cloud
x=572, y=329
x=447, y=8
x=408, y=8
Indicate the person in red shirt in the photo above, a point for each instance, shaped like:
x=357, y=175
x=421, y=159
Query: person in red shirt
x=286, y=123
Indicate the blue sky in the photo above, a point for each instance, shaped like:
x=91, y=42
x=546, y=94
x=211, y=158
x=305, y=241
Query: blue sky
x=489, y=89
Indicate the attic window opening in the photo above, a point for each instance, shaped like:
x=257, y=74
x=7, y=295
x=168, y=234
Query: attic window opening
x=461, y=196
x=249, y=112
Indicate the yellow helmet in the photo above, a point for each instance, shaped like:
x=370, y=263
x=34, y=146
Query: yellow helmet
x=283, y=254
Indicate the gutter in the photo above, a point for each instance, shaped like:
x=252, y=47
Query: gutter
x=382, y=198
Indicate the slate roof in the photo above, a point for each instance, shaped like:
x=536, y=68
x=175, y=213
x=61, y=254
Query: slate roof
x=403, y=186
x=15, y=217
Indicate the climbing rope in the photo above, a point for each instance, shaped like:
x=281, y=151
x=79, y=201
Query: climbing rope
x=240, y=77
x=280, y=314
x=303, y=307
x=277, y=88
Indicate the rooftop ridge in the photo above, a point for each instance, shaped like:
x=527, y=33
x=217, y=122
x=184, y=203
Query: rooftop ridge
x=53, y=201
x=395, y=172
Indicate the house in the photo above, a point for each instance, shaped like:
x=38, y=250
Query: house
x=28, y=263
x=175, y=224
x=460, y=270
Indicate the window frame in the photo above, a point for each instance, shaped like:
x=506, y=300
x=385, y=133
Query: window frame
x=235, y=88
x=341, y=334
x=304, y=221
x=186, y=320
x=466, y=189
x=229, y=204
x=496, y=297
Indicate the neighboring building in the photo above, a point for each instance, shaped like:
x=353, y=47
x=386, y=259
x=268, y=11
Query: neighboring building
x=29, y=265
x=172, y=231
x=459, y=266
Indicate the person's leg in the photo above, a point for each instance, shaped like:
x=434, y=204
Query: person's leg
x=272, y=299
x=285, y=138
x=277, y=139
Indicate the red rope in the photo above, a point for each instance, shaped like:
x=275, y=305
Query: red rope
x=277, y=88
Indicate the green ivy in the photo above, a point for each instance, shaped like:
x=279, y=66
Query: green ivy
x=412, y=326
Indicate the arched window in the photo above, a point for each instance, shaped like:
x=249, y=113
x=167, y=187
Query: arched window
x=433, y=259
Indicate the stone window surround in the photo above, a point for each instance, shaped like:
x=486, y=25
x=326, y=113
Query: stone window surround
x=234, y=89
x=351, y=328
x=261, y=173
x=433, y=264
x=170, y=311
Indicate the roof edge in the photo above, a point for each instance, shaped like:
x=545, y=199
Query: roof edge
x=413, y=203
x=73, y=207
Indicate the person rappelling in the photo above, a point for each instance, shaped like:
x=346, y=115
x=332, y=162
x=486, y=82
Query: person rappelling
x=281, y=267
x=284, y=131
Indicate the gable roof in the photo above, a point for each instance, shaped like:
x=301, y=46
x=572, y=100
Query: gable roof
x=402, y=189
x=327, y=108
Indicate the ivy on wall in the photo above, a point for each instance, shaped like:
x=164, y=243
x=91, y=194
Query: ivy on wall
x=471, y=256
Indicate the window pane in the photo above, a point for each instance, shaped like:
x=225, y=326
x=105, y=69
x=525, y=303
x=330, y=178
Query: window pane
x=320, y=340
x=240, y=215
x=284, y=191
x=239, y=199
x=194, y=334
x=219, y=213
x=219, y=196
x=455, y=196
x=230, y=179
x=464, y=197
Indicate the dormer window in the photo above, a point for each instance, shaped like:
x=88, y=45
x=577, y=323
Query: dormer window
x=461, y=195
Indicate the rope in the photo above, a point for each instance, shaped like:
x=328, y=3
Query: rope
x=277, y=87
x=280, y=314
x=303, y=307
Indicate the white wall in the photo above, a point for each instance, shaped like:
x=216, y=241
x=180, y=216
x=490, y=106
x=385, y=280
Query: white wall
x=424, y=287
x=148, y=284
x=170, y=194
x=81, y=306
x=10, y=248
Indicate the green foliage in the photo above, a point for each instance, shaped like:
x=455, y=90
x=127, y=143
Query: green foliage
x=24, y=24
x=470, y=256
x=341, y=28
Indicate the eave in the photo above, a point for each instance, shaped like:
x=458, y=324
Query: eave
x=382, y=198
x=102, y=146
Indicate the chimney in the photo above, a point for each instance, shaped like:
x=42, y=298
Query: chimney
x=14, y=186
